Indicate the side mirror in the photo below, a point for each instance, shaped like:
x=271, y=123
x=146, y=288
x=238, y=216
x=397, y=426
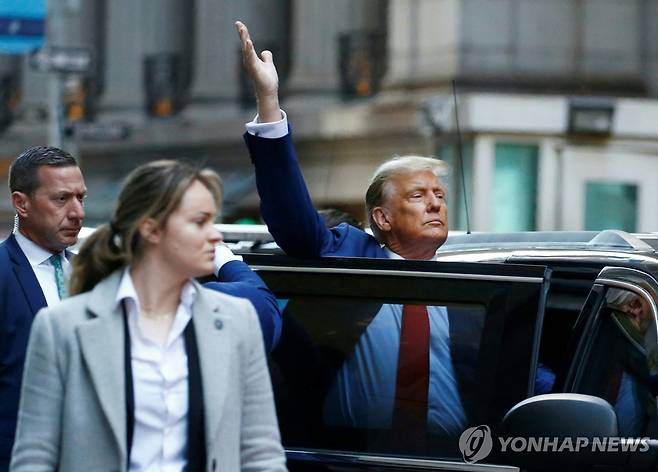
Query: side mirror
x=571, y=430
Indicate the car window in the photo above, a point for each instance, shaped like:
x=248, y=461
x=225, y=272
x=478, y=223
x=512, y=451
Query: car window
x=334, y=371
x=621, y=363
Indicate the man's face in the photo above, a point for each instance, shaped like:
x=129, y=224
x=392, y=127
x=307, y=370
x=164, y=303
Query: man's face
x=52, y=216
x=416, y=213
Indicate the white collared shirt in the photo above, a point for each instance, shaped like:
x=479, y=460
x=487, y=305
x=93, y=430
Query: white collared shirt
x=160, y=385
x=395, y=255
x=44, y=270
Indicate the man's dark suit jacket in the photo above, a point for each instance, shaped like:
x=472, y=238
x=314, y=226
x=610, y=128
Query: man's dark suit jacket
x=299, y=230
x=21, y=298
x=237, y=279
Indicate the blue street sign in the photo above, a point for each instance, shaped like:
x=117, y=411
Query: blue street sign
x=22, y=25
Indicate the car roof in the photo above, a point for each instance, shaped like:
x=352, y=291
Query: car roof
x=595, y=247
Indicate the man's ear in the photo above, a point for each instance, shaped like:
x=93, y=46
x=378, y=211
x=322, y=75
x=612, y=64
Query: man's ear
x=150, y=231
x=380, y=218
x=21, y=203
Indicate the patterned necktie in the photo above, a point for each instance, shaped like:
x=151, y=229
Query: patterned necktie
x=56, y=261
x=413, y=373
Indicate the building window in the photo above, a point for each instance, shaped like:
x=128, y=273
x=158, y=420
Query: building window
x=610, y=205
x=514, y=192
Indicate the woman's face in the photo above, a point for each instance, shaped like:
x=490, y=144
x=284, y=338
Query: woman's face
x=189, y=237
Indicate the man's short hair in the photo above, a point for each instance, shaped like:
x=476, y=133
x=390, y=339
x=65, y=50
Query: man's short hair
x=23, y=173
x=333, y=217
x=390, y=169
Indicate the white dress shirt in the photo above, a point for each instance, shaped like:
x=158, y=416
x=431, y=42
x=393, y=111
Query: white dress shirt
x=160, y=385
x=42, y=267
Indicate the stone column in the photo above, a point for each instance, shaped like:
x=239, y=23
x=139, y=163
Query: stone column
x=318, y=24
x=423, y=41
x=218, y=63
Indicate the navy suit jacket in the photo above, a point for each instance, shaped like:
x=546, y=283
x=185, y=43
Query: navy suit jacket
x=286, y=207
x=237, y=279
x=299, y=230
x=21, y=298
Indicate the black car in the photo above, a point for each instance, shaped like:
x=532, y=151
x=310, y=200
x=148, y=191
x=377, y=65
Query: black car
x=561, y=364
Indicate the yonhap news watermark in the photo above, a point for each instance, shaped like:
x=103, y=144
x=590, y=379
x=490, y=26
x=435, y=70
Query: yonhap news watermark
x=476, y=443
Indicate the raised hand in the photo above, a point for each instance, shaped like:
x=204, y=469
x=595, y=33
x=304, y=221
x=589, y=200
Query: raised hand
x=262, y=72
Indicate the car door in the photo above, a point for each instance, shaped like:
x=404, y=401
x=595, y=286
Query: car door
x=333, y=367
x=616, y=358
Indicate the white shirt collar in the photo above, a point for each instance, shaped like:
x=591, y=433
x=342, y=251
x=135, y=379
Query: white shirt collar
x=35, y=254
x=127, y=291
x=394, y=255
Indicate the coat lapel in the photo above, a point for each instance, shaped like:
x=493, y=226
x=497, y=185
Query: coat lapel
x=213, y=342
x=25, y=276
x=102, y=344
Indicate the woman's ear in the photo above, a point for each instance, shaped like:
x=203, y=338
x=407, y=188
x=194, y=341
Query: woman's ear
x=381, y=219
x=150, y=231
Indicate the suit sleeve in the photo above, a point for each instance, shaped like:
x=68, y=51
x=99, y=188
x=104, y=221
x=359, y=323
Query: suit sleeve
x=39, y=416
x=285, y=203
x=237, y=279
x=260, y=441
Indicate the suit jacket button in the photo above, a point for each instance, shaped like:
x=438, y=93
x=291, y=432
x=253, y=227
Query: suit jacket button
x=219, y=324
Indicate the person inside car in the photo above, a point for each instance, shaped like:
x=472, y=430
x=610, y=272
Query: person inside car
x=408, y=217
x=407, y=212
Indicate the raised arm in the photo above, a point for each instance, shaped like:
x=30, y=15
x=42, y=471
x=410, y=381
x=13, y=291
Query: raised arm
x=286, y=205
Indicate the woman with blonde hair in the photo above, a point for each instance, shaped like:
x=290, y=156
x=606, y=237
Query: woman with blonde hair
x=144, y=369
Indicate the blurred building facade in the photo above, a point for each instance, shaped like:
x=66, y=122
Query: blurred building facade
x=557, y=101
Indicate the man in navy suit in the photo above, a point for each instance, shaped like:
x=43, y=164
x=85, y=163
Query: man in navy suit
x=408, y=216
x=47, y=192
x=407, y=212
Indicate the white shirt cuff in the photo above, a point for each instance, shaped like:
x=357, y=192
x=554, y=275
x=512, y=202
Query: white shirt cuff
x=223, y=255
x=272, y=130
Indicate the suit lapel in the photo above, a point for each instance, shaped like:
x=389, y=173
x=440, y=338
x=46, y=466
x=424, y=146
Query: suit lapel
x=102, y=344
x=25, y=276
x=213, y=341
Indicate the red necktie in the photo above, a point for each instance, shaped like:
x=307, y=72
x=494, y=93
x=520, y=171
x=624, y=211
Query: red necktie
x=412, y=384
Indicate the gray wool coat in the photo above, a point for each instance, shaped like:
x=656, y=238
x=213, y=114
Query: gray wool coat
x=72, y=414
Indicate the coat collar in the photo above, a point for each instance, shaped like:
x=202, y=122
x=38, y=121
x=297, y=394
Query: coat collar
x=101, y=342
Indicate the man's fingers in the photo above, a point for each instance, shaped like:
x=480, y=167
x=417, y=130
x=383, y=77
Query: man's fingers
x=242, y=30
x=248, y=51
x=266, y=56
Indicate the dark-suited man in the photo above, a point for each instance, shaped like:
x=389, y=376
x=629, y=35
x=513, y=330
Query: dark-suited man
x=47, y=192
x=408, y=216
x=407, y=212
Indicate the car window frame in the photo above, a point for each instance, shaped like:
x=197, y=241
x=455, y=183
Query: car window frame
x=467, y=273
x=641, y=283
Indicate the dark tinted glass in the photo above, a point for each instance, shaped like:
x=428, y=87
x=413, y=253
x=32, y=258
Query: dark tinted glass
x=622, y=366
x=335, y=375
x=335, y=369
